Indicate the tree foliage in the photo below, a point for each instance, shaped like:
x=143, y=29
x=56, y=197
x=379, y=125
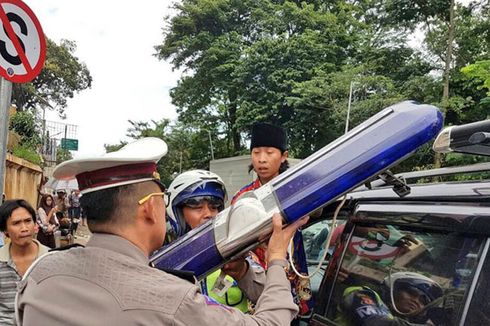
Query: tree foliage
x=188, y=148
x=63, y=154
x=25, y=124
x=480, y=72
x=292, y=63
x=63, y=75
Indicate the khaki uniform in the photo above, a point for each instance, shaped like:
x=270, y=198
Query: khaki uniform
x=110, y=283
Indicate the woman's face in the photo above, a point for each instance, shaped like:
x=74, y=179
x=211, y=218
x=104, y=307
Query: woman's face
x=49, y=201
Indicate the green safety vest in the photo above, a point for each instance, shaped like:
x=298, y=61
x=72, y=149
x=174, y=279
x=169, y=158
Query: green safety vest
x=234, y=297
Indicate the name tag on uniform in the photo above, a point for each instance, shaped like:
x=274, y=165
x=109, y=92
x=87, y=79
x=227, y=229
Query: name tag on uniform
x=221, y=285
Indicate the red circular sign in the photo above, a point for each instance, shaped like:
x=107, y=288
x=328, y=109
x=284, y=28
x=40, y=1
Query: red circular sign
x=372, y=249
x=22, y=43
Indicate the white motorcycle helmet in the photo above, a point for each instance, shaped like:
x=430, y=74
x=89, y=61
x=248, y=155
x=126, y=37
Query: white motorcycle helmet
x=189, y=185
x=426, y=289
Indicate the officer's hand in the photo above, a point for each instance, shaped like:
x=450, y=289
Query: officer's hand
x=406, y=241
x=280, y=238
x=236, y=268
x=343, y=274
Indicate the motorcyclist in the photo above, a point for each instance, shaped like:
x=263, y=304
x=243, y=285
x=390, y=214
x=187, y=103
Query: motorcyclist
x=411, y=298
x=193, y=198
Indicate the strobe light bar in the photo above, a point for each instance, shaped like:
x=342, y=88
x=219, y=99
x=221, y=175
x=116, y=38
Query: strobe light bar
x=471, y=138
x=364, y=152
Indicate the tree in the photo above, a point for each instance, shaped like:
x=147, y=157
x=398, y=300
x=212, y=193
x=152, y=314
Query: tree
x=63, y=75
x=62, y=154
x=480, y=72
x=114, y=147
x=206, y=37
x=188, y=148
x=291, y=63
x=243, y=57
x=25, y=125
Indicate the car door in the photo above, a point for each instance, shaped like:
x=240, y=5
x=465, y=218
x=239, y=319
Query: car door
x=385, y=241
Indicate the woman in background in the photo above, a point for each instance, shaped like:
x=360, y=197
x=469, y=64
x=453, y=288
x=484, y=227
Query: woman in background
x=48, y=222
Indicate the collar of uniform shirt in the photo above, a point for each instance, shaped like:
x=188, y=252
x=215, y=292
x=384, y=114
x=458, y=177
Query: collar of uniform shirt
x=117, y=244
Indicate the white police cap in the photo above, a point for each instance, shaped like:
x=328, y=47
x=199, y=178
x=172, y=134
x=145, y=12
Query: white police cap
x=135, y=162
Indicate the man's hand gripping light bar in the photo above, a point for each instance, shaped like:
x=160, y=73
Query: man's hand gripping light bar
x=364, y=152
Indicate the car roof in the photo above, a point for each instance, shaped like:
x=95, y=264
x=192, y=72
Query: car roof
x=420, y=189
x=456, y=190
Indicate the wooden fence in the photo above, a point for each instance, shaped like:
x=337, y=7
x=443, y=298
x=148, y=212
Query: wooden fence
x=22, y=179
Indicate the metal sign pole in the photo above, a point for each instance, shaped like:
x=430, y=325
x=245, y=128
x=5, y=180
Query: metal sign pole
x=5, y=97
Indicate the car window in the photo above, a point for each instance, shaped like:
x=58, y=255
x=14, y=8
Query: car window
x=314, y=239
x=418, y=276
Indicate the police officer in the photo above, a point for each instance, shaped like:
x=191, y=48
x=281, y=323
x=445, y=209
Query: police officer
x=194, y=197
x=109, y=282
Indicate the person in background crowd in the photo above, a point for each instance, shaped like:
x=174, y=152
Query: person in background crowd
x=48, y=222
x=110, y=281
x=74, y=208
x=83, y=216
x=2, y=241
x=17, y=221
x=269, y=158
x=195, y=197
x=62, y=203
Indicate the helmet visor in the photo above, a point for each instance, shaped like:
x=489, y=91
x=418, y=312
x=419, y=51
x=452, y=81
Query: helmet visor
x=209, y=188
x=213, y=202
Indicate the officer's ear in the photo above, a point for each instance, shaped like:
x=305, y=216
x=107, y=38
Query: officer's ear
x=149, y=210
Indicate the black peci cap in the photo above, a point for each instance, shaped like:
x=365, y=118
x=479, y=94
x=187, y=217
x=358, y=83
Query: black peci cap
x=267, y=135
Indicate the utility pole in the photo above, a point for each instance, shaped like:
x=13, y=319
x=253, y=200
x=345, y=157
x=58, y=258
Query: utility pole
x=447, y=72
x=211, y=145
x=180, y=162
x=348, y=107
x=5, y=98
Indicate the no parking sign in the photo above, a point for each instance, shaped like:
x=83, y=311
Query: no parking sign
x=22, y=43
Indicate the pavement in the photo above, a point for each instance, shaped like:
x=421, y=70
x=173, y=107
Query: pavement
x=82, y=235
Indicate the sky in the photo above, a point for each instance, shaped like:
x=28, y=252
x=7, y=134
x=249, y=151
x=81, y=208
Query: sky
x=116, y=40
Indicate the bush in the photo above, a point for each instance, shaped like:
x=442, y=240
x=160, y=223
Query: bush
x=24, y=123
x=27, y=153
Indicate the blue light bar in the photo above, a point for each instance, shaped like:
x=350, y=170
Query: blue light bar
x=201, y=255
x=364, y=152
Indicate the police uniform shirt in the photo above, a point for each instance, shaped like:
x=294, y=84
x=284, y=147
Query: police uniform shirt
x=110, y=283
